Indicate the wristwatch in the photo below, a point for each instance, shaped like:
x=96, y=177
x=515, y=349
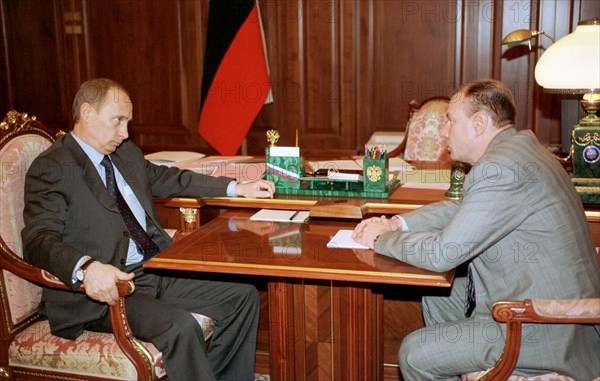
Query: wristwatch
x=80, y=274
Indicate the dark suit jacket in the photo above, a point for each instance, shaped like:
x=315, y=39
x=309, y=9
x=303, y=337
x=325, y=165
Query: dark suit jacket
x=68, y=214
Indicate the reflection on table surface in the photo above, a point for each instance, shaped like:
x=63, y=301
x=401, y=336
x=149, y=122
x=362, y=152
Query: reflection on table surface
x=233, y=244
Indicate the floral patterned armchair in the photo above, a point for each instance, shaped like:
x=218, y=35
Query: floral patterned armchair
x=423, y=141
x=27, y=348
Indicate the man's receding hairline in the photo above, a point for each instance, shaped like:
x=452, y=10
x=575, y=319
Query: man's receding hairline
x=110, y=94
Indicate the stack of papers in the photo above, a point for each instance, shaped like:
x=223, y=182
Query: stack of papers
x=280, y=215
x=171, y=158
x=343, y=240
x=344, y=176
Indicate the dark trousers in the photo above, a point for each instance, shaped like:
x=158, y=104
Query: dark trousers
x=159, y=312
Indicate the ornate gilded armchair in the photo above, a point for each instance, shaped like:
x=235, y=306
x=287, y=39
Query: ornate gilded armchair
x=423, y=141
x=27, y=348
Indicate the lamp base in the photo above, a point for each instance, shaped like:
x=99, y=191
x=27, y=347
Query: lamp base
x=588, y=189
x=586, y=161
x=457, y=180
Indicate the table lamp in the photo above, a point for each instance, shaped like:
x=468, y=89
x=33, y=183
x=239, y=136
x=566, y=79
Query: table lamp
x=572, y=66
x=521, y=35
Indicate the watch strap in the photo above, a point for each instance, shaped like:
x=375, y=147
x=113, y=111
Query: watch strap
x=86, y=264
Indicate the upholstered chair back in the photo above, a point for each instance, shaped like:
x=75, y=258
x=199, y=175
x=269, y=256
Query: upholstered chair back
x=424, y=142
x=17, y=151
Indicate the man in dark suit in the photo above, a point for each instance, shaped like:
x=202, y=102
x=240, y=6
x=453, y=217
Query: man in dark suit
x=522, y=228
x=82, y=231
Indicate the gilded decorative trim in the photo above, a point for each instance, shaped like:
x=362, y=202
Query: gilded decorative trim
x=137, y=344
x=189, y=214
x=585, y=189
x=308, y=269
x=482, y=375
x=374, y=173
x=184, y=199
x=377, y=205
x=18, y=123
x=41, y=375
x=14, y=118
x=5, y=372
x=588, y=139
x=248, y=200
x=583, y=180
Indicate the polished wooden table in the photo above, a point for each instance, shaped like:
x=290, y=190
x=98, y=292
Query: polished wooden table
x=325, y=312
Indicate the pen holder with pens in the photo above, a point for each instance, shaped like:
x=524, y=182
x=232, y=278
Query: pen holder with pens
x=375, y=174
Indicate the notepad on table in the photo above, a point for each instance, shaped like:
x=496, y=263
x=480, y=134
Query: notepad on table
x=343, y=240
x=280, y=215
x=344, y=176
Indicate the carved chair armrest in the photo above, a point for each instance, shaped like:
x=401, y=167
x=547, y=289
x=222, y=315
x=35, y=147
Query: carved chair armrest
x=537, y=311
x=23, y=269
x=570, y=311
x=132, y=347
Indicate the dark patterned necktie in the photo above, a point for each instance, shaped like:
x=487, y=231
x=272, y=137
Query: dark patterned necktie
x=138, y=234
x=470, y=302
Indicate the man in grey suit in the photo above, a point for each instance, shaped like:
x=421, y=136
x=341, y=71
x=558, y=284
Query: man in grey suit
x=78, y=227
x=523, y=229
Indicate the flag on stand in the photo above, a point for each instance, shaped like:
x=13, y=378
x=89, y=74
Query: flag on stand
x=235, y=81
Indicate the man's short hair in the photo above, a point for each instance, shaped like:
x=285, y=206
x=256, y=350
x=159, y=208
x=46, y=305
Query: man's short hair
x=95, y=92
x=492, y=96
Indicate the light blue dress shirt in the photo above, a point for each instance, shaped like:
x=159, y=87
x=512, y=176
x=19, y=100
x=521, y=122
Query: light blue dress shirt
x=133, y=255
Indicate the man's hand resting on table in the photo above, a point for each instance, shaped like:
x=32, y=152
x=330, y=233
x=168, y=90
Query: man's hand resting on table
x=255, y=189
x=369, y=229
x=100, y=282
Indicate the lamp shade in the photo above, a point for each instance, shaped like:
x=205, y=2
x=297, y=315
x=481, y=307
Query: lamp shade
x=572, y=64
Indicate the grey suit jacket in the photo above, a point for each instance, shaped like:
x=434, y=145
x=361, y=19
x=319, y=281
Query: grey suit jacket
x=68, y=214
x=522, y=225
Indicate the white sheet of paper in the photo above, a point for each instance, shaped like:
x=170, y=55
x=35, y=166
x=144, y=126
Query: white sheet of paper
x=344, y=176
x=281, y=151
x=343, y=240
x=280, y=215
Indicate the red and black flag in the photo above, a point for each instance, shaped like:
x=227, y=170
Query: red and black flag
x=235, y=82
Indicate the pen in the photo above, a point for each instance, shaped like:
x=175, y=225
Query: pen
x=294, y=215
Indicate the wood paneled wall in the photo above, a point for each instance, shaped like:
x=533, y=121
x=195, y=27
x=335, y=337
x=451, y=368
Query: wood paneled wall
x=340, y=69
